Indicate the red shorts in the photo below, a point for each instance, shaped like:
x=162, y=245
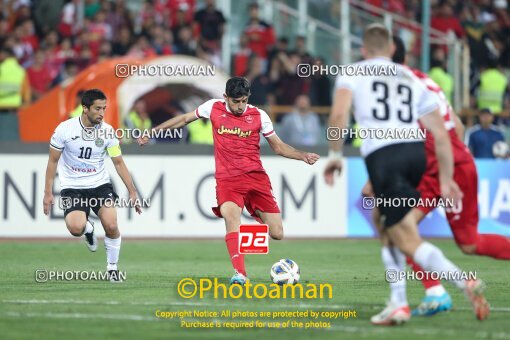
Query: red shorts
x=251, y=190
x=463, y=219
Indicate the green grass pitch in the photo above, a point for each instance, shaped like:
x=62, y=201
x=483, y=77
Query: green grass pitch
x=97, y=309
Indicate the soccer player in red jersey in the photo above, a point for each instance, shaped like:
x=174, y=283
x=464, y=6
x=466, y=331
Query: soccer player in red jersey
x=240, y=178
x=463, y=218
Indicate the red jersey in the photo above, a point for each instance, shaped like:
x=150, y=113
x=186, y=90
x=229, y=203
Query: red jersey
x=236, y=138
x=461, y=153
x=261, y=37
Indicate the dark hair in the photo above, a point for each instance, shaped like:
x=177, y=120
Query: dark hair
x=237, y=87
x=7, y=50
x=399, y=56
x=90, y=96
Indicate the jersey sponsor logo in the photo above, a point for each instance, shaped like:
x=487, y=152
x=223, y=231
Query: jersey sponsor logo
x=253, y=239
x=99, y=142
x=235, y=131
x=83, y=168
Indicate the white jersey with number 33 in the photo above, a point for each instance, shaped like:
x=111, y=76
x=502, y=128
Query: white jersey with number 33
x=386, y=102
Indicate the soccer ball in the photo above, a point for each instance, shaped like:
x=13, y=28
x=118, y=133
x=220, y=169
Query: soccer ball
x=500, y=149
x=285, y=271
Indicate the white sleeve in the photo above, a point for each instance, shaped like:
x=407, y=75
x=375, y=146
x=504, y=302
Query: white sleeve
x=266, y=127
x=111, y=141
x=204, y=110
x=345, y=82
x=428, y=101
x=57, y=140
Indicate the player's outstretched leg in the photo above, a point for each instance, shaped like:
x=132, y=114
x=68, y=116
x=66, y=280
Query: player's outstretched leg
x=112, y=241
x=431, y=258
x=397, y=310
x=231, y=213
x=274, y=221
x=436, y=297
x=78, y=225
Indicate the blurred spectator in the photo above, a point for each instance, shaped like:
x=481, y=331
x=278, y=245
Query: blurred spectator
x=21, y=12
x=242, y=57
x=475, y=29
x=146, y=18
x=138, y=118
x=288, y=84
x=200, y=132
x=98, y=31
x=261, y=36
x=209, y=54
x=187, y=7
x=117, y=16
x=301, y=127
x=65, y=51
x=300, y=50
x=492, y=89
x=69, y=71
x=438, y=74
x=281, y=45
x=210, y=23
x=261, y=87
x=445, y=20
x=28, y=34
x=91, y=8
x=320, y=87
x=481, y=137
x=142, y=48
x=69, y=18
x=4, y=28
x=122, y=44
x=184, y=42
x=180, y=24
x=161, y=40
x=39, y=75
x=22, y=49
x=14, y=83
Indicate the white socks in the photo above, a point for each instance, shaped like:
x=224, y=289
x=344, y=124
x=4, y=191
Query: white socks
x=395, y=261
x=88, y=227
x=112, y=246
x=435, y=291
x=430, y=258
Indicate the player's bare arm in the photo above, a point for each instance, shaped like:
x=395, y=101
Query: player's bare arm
x=122, y=170
x=285, y=150
x=51, y=170
x=434, y=123
x=172, y=123
x=338, y=118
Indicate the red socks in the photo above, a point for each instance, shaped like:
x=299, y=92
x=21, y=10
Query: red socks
x=493, y=245
x=426, y=281
x=232, y=241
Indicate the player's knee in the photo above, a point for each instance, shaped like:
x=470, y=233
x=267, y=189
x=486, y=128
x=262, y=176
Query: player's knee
x=111, y=229
x=468, y=249
x=276, y=234
x=76, y=228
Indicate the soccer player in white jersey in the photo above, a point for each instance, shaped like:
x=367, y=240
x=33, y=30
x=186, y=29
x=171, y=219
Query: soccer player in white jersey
x=79, y=147
x=395, y=166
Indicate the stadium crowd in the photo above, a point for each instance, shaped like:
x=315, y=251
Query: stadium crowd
x=39, y=54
